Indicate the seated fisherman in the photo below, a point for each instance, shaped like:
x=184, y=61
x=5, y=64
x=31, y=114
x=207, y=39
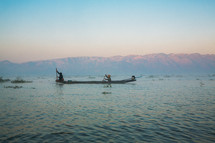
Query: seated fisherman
x=60, y=77
x=107, y=77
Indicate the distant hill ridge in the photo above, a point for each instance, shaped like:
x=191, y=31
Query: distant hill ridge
x=132, y=64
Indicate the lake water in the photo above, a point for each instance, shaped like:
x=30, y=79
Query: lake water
x=155, y=108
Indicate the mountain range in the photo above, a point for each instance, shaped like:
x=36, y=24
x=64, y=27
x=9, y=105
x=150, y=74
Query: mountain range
x=132, y=64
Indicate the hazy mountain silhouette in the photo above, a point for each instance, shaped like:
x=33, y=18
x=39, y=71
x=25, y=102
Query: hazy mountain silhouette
x=133, y=64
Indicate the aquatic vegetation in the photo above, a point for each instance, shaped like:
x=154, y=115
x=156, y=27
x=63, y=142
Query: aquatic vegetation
x=14, y=87
x=19, y=80
x=4, y=80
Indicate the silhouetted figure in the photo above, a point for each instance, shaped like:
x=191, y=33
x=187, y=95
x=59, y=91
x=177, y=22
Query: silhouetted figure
x=108, y=78
x=60, y=77
x=133, y=77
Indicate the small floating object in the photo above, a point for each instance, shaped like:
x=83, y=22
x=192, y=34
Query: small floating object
x=151, y=76
x=201, y=84
x=106, y=92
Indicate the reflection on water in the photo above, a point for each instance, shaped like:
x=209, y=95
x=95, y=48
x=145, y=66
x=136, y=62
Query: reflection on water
x=59, y=89
x=106, y=92
x=156, y=108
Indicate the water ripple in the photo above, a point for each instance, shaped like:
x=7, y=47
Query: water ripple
x=154, y=111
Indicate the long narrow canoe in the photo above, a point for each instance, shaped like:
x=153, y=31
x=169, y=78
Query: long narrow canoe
x=98, y=82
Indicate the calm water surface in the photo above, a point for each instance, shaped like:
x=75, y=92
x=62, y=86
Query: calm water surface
x=156, y=108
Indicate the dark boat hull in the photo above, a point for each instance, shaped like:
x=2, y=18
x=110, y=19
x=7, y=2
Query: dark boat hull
x=97, y=82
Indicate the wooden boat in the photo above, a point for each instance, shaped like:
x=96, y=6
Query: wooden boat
x=132, y=79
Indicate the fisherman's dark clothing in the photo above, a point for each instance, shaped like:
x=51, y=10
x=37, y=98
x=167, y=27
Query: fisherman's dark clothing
x=60, y=76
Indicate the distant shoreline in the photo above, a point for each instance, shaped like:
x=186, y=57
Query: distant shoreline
x=119, y=65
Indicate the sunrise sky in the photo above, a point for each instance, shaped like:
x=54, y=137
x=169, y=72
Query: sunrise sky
x=46, y=29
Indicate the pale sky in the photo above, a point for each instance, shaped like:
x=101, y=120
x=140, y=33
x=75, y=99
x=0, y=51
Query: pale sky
x=47, y=29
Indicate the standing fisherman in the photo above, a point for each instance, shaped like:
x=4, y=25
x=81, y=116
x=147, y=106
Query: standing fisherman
x=60, y=77
x=107, y=77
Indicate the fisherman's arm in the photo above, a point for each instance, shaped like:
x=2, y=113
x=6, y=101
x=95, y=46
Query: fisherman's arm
x=57, y=71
